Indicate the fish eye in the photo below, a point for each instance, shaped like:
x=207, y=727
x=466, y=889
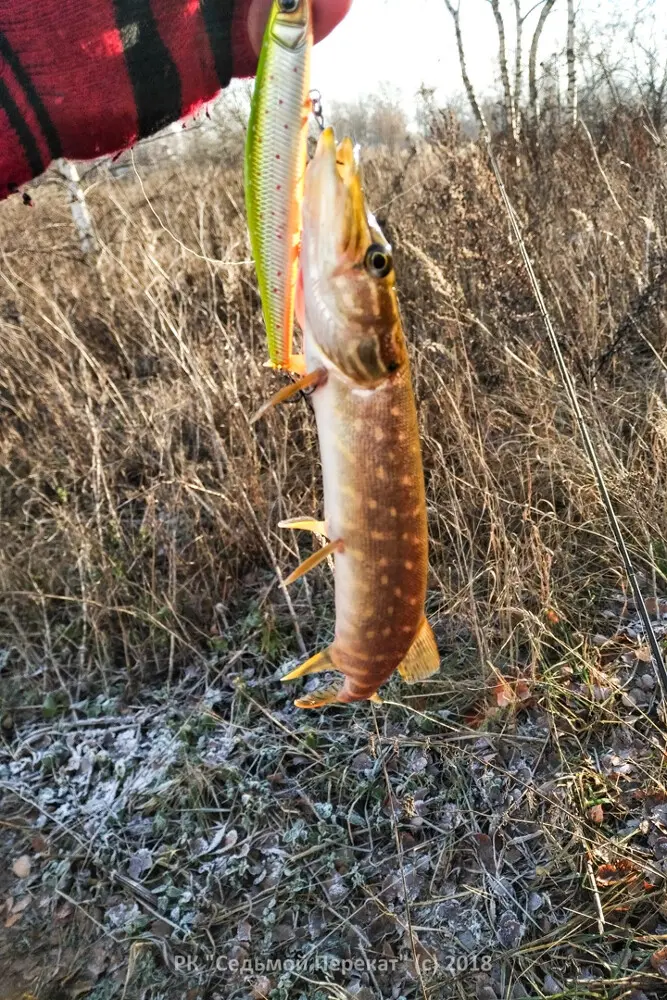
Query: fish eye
x=378, y=262
x=288, y=6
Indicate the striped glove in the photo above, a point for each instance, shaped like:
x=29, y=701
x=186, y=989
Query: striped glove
x=85, y=78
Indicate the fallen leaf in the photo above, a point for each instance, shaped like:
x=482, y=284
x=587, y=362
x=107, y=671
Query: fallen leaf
x=244, y=931
x=653, y=606
x=503, y=694
x=39, y=844
x=551, y=616
x=21, y=867
x=612, y=873
x=659, y=961
x=596, y=814
x=231, y=839
x=63, y=911
x=507, y=693
x=12, y=919
x=522, y=690
x=643, y=654
x=21, y=904
x=476, y=717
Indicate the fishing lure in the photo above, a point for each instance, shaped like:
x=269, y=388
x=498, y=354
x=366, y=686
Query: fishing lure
x=374, y=497
x=275, y=165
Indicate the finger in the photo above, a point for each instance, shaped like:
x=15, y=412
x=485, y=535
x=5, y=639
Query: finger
x=328, y=14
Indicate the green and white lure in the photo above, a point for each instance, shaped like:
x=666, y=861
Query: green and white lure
x=275, y=165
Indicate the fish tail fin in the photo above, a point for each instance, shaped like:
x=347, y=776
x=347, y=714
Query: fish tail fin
x=422, y=659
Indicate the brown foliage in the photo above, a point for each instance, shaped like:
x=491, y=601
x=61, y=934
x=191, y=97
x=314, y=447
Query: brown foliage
x=132, y=486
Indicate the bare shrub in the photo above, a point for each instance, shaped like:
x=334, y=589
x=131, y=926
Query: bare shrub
x=138, y=508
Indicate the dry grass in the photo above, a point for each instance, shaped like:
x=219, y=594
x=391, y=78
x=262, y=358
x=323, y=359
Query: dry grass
x=138, y=511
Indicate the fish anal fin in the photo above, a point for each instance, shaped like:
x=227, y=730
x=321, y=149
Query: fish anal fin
x=305, y=524
x=312, y=379
x=318, y=699
x=315, y=665
x=422, y=659
x=312, y=561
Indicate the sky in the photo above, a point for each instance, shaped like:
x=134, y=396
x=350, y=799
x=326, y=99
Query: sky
x=410, y=42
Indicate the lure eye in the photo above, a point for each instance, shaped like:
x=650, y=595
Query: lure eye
x=288, y=6
x=378, y=262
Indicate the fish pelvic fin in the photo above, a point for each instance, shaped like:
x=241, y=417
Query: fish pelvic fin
x=312, y=561
x=422, y=659
x=312, y=379
x=315, y=665
x=305, y=524
x=318, y=699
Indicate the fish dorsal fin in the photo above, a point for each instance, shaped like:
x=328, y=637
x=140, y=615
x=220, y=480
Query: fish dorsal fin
x=422, y=659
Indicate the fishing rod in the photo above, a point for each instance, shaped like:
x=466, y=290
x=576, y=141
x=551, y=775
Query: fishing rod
x=614, y=523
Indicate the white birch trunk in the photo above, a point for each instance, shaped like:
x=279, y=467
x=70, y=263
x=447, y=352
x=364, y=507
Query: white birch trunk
x=532, y=62
x=518, y=65
x=572, y=109
x=510, y=116
x=467, y=82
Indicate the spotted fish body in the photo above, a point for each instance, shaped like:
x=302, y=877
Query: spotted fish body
x=275, y=165
x=374, y=501
x=374, y=497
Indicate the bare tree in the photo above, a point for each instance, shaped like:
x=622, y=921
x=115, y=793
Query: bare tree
x=571, y=66
x=518, y=64
x=509, y=108
x=467, y=83
x=532, y=60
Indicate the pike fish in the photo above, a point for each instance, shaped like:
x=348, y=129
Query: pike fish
x=374, y=498
x=275, y=164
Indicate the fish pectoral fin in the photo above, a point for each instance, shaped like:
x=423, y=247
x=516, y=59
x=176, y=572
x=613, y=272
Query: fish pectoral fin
x=305, y=524
x=315, y=665
x=306, y=382
x=422, y=659
x=318, y=699
x=312, y=561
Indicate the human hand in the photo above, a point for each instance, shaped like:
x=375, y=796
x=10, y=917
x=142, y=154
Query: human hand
x=251, y=21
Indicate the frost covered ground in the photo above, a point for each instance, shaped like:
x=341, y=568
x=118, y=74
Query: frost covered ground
x=228, y=844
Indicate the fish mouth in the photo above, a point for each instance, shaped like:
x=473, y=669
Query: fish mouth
x=334, y=192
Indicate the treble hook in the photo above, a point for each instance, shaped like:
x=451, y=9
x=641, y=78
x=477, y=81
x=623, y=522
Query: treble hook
x=316, y=108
